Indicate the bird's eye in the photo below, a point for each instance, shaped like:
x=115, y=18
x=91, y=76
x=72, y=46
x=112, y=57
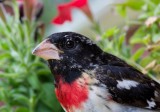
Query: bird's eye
x=69, y=44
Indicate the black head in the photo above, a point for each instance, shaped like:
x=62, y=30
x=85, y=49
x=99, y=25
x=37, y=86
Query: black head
x=69, y=51
x=77, y=50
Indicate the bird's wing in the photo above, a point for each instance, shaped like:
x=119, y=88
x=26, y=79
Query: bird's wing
x=128, y=86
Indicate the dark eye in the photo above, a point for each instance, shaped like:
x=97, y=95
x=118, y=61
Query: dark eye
x=69, y=44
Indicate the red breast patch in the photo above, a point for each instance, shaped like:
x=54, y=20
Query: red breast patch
x=71, y=95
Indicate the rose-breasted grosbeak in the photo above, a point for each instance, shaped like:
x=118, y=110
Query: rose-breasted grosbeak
x=90, y=80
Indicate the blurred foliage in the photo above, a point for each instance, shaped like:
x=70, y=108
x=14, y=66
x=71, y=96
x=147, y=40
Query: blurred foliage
x=139, y=45
x=26, y=84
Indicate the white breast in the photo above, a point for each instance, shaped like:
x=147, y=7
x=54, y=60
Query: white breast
x=99, y=101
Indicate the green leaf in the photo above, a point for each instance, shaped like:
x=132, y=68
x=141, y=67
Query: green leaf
x=121, y=41
x=145, y=61
x=43, y=72
x=138, y=36
x=147, y=39
x=156, y=2
x=20, y=98
x=137, y=55
x=133, y=4
x=48, y=97
x=9, y=75
x=121, y=9
x=136, y=40
x=34, y=82
x=110, y=32
x=22, y=109
x=41, y=107
x=4, y=56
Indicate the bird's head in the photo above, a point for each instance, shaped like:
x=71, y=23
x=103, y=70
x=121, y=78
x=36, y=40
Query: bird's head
x=68, y=51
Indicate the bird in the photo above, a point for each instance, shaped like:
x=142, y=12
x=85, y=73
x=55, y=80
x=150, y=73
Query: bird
x=87, y=79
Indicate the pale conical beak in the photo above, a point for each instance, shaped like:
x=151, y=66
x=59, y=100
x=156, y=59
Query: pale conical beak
x=46, y=50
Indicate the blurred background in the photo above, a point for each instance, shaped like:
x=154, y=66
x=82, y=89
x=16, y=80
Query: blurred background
x=129, y=29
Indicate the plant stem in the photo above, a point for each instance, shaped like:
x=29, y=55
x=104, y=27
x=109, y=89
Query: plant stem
x=2, y=12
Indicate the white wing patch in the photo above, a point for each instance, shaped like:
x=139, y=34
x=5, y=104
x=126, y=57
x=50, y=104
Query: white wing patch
x=126, y=84
x=151, y=104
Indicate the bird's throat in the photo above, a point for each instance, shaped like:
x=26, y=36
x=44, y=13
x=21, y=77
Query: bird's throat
x=72, y=95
